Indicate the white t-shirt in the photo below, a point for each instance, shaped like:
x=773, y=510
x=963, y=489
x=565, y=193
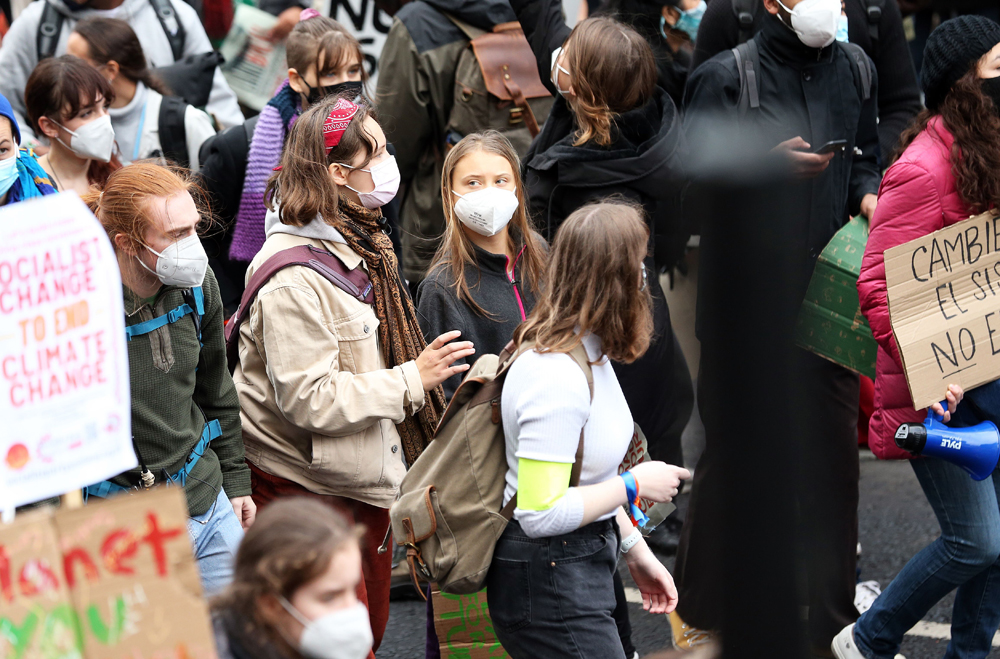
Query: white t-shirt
x=545, y=403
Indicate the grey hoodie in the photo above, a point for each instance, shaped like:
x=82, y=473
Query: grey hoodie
x=19, y=52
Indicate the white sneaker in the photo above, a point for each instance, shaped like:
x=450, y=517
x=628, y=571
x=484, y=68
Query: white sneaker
x=865, y=594
x=843, y=645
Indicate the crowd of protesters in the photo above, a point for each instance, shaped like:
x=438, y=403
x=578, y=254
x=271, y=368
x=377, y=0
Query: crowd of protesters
x=306, y=287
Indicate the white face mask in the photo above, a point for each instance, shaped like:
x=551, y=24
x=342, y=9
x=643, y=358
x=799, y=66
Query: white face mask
x=486, y=211
x=385, y=176
x=92, y=140
x=184, y=263
x=815, y=21
x=343, y=634
x=555, y=69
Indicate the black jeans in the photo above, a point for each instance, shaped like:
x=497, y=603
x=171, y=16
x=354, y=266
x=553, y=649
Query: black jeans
x=553, y=597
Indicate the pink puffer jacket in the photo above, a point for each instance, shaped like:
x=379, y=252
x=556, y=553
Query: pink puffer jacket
x=917, y=196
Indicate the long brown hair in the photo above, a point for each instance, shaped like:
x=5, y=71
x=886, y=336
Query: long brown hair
x=57, y=89
x=456, y=250
x=593, y=284
x=111, y=39
x=123, y=205
x=290, y=544
x=972, y=118
x=612, y=70
x=325, y=44
x=302, y=188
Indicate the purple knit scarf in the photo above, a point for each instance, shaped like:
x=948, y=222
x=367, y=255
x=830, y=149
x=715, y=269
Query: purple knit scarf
x=265, y=153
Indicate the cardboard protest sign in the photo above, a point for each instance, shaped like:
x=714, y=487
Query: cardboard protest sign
x=64, y=386
x=944, y=306
x=638, y=451
x=37, y=619
x=464, y=628
x=113, y=580
x=830, y=322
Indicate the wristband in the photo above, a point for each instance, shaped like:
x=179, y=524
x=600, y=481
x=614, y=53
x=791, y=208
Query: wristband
x=630, y=541
x=635, y=513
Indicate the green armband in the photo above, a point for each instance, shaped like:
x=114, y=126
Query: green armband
x=541, y=484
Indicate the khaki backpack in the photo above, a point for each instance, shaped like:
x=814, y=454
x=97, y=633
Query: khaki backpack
x=497, y=86
x=449, y=515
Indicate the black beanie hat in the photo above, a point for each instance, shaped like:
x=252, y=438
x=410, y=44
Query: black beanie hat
x=951, y=50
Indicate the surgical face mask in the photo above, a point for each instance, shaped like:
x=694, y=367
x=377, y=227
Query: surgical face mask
x=92, y=140
x=385, y=176
x=689, y=21
x=486, y=211
x=8, y=173
x=842, y=29
x=353, y=89
x=815, y=21
x=183, y=263
x=343, y=634
x=555, y=69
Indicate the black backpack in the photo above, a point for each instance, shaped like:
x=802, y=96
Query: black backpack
x=748, y=66
x=188, y=77
x=173, y=135
x=746, y=13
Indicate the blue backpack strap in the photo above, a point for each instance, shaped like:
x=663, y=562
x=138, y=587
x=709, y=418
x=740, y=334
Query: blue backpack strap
x=211, y=431
x=148, y=326
x=102, y=490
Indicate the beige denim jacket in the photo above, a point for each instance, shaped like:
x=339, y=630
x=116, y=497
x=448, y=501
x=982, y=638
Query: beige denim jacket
x=319, y=406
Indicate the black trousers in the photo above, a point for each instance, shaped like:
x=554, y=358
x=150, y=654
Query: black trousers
x=553, y=597
x=826, y=478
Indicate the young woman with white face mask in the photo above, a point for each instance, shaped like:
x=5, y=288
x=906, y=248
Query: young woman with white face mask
x=293, y=594
x=486, y=274
x=67, y=102
x=335, y=387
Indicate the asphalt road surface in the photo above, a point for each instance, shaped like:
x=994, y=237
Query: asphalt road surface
x=895, y=522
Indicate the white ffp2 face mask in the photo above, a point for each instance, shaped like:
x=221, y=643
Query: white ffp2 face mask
x=815, y=21
x=486, y=211
x=343, y=634
x=92, y=140
x=183, y=263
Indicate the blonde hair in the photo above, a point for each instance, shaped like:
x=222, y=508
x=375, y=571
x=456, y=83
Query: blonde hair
x=593, y=284
x=456, y=250
x=612, y=70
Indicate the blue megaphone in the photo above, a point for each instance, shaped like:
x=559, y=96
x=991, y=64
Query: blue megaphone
x=975, y=449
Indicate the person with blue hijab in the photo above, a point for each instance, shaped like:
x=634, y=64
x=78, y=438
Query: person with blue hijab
x=21, y=177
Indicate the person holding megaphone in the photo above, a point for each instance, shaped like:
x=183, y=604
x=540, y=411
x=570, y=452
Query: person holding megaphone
x=948, y=169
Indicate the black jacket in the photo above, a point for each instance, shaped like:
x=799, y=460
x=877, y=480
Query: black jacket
x=440, y=310
x=641, y=163
x=803, y=92
x=898, y=92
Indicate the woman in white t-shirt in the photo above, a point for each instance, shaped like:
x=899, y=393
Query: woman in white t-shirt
x=550, y=584
x=149, y=121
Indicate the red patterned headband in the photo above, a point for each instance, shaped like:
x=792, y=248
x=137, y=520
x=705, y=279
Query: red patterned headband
x=338, y=121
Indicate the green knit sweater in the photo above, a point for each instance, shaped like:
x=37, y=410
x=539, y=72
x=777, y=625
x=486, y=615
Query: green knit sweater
x=174, y=380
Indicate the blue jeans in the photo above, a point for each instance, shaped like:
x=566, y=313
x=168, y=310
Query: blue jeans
x=965, y=556
x=215, y=537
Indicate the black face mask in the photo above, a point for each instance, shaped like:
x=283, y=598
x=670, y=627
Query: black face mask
x=991, y=88
x=350, y=90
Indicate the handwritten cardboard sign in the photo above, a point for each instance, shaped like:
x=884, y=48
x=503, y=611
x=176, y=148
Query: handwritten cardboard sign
x=64, y=387
x=944, y=306
x=115, y=579
x=464, y=627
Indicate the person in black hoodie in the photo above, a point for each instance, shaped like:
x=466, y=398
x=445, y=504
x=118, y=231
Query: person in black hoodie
x=811, y=91
x=486, y=275
x=613, y=132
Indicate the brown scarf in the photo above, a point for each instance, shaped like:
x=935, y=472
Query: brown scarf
x=398, y=331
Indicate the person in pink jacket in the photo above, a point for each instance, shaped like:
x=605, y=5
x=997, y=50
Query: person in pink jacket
x=949, y=170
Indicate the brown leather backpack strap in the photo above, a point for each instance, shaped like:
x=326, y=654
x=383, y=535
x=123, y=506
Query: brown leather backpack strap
x=353, y=282
x=507, y=512
x=520, y=101
x=582, y=359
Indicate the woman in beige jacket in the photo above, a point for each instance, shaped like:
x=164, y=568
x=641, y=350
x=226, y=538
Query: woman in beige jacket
x=335, y=392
